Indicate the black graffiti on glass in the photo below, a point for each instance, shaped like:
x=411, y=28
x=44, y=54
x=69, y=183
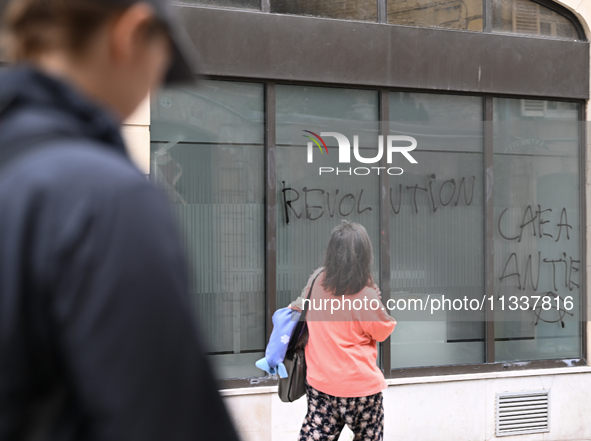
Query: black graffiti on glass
x=314, y=203
x=448, y=190
x=344, y=205
x=560, y=311
x=287, y=202
x=535, y=218
x=563, y=269
x=570, y=266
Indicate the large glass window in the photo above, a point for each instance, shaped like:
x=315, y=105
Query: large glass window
x=366, y=10
x=537, y=232
x=437, y=228
x=241, y=4
x=451, y=14
x=311, y=204
x=529, y=18
x=208, y=154
x=524, y=17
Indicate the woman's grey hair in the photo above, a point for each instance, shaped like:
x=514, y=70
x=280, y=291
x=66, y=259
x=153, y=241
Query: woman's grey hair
x=348, y=259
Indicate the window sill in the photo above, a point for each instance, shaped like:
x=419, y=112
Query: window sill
x=488, y=375
x=433, y=379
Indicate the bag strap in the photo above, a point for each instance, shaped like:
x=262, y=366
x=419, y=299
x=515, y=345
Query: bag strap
x=302, y=321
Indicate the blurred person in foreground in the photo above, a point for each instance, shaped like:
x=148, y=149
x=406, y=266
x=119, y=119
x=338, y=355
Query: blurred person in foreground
x=96, y=337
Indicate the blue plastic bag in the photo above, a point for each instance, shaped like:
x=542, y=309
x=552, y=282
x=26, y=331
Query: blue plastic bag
x=284, y=322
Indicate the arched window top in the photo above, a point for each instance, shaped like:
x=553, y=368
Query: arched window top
x=537, y=18
x=540, y=18
x=360, y=10
x=466, y=15
x=530, y=18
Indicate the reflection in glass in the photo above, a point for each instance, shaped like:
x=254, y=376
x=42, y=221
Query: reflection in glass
x=365, y=10
x=437, y=228
x=311, y=205
x=238, y=4
x=450, y=14
x=529, y=18
x=207, y=152
x=537, y=232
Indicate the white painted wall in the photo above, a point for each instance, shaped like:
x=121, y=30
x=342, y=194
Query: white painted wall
x=447, y=408
x=136, y=133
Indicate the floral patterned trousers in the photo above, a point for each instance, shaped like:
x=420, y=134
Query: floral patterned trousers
x=327, y=415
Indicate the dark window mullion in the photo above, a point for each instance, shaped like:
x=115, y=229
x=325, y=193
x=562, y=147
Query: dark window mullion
x=270, y=209
x=584, y=317
x=382, y=11
x=489, y=229
x=486, y=15
x=384, y=222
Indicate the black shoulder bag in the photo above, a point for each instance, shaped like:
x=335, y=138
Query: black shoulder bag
x=294, y=385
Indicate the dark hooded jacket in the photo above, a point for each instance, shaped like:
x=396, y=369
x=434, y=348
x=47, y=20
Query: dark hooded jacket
x=97, y=341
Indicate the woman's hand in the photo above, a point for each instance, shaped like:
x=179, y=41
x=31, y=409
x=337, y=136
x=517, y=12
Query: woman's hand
x=297, y=304
x=377, y=290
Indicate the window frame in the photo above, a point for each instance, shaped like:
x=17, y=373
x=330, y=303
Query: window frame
x=382, y=14
x=291, y=66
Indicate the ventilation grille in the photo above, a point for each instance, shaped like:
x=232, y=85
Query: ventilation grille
x=533, y=107
x=523, y=412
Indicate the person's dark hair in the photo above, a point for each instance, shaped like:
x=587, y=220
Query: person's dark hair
x=348, y=259
x=32, y=27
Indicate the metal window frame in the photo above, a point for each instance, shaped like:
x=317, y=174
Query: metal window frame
x=243, y=46
x=271, y=209
x=489, y=229
x=382, y=13
x=566, y=13
x=559, y=9
x=384, y=224
x=583, y=222
x=490, y=365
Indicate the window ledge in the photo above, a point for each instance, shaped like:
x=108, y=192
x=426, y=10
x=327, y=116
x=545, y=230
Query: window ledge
x=433, y=379
x=489, y=375
x=248, y=391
